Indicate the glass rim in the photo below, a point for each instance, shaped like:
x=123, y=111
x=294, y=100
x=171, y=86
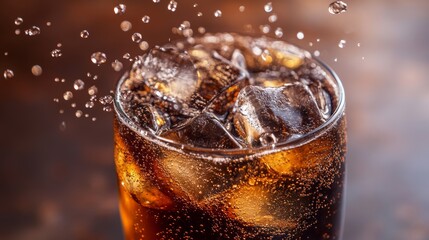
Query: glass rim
x=221, y=154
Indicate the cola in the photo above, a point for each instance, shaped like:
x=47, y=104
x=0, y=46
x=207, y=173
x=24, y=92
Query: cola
x=230, y=137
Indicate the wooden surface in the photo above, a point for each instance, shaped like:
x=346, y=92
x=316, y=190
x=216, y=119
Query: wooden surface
x=61, y=185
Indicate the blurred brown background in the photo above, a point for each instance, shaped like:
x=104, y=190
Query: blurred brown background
x=61, y=185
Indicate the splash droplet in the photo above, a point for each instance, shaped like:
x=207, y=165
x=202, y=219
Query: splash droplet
x=84, y=34
x=92, y=90
x=56, y=100
x=316, y=53
x=89, y=104
x=146, y=19
x=265, y=29
x=342, y=43
x=268, y=7
x=36, y=70
x=218, y=13
x=199, y=14
x=201, y=30
x=56, y=53
x=335, y=59
x=8, y=74
x=48, y=24
x=300, y=35
x=144, y=45
x=172, y=6
x=272, y=18
x=78, y=84
x=337, y=7
x=117, y=65
x=79, y=113
x=107, y=108
x=68, y=95
x=98, y=58
x=358, y=44
x=106, y=99
x=17, y=31
x=126, y=56
x=156, y=1
x=63, y=126
x=126, y=26
x=120, y=9
x=32, y=31
x=136, y=37
x=18, y=21
x=278, y=32
x=241, y=8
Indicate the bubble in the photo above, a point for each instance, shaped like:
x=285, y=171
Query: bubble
x=63, y=126
x=342, y=43
x=218, y=13
x=84, y=34
x=144, y=45
x=36, y=70
x=120, y=9
x=89, y=104
x=7, y=74
x=17, y=31
x=56, y=53
x=117, y=65
x=98, y=58
x=300, y=35
x=18, y=21
x=241, y=8
x=272, y=18
x=172, y=6
x=316, y=53
x=78, y=84
x=268, y=7
x=32, y=31
x=126, y=26
x=146, y=19
x=337, y=7
x=278, y=32
x=136, y=37
x=79, y=113
x=92, y=90
x=68, y=95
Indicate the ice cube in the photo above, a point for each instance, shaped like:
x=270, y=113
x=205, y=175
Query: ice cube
x=267, y=115
x=150, y=118
x=204, y=131
x=271, y=78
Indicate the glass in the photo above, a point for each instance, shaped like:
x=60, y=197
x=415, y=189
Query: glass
x=291, y=190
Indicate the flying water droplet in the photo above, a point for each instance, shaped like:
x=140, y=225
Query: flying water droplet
x=300, y=35
x=272, y=18
x=63, y=126
x=156, y=1
x=126, y=26
x=18, y=21
x=8, y=74
x=126, y=56
x=6, y=53
x=89, y=104
x=146, y=19
x=316, y=53
x=218, y=13
x=201, y=30
x=73, y=105
x=136, y=37
x=241, y=8
x=107, y=108
x=278, y=32
x=36, y=70
x=335, y=59
x=92, y=90
x=56, y=53
x=199, y=14
x=79, y=113
x=120, y=9
x=144, y=45
x=84, y=34
x=268, y=7
x=32, y=31
x=17, y=31
x=358, y=44
x=172, y=6
x=342, y=43
x=265, y=29
x=98, y=58
x=48, y=24
x=78, y=84
x=68, y=95
x=337, y=7
x=56, y=100
x=117, y=65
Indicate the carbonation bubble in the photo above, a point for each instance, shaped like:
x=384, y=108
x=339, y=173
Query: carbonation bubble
x=136, y=37
x=68, y=95
x=241, y=8
x=98, y=58
x=120, y=9
x=8, y=74
x=146, y=19
x=272, y=18
x=126, y=26
x=92, y=90
x=78, y=84
x=36, y=70
x=218, y=13
x=84, y=34
x=342, y=43
x=18, y=21
x=117, y=65
x=144, y=45
x=56, y=53
x=79, y=113
x=337, y=7
x=172, y=6
x=32, y=31
x=300, y=35
x=268, y=7
x=278, y=32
